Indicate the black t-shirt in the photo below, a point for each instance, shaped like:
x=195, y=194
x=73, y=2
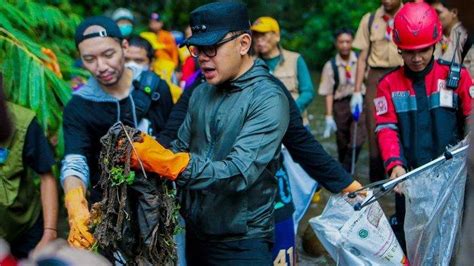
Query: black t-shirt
x=37, y=153
x=86, y=121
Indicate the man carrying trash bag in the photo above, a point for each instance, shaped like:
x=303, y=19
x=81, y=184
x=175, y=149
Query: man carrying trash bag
x=422, y=107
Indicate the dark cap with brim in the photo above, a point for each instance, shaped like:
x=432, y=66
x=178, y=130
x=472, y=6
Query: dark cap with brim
x=210, y=23
x=111, y=29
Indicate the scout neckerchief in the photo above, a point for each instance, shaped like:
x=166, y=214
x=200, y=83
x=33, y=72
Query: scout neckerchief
x=389, y=28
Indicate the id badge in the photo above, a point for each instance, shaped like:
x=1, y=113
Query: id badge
x=445, y=95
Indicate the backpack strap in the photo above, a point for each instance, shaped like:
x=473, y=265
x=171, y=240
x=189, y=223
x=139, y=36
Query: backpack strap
x=335, y=72
x=371, y=22
x=146, y=90
x=466, y=47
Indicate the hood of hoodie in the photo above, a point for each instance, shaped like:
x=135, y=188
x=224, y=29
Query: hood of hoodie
x=92, y=90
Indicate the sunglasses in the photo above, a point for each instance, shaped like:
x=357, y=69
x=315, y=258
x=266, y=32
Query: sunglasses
x=209, y=50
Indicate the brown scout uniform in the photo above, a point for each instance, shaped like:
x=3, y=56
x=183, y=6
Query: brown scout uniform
x=446, y=48
x=383, y=57
x=341, y=107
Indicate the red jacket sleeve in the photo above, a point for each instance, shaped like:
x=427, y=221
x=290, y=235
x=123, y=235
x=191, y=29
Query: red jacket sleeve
x=387, y=127
x=464, y=92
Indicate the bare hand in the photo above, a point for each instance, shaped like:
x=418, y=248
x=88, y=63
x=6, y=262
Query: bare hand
x=396, y=172
x=48, y=236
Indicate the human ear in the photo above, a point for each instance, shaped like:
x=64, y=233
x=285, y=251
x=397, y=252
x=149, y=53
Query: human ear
x=124, y=44
x=454, y=11
x=245, y=43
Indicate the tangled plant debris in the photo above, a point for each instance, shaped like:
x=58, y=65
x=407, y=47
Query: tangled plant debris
x=138, y=215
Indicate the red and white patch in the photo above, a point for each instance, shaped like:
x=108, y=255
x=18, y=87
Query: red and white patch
x=471, y=91
x=441, y=84
x=381, y=106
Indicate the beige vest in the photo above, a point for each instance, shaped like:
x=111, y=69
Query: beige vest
x=286, y=71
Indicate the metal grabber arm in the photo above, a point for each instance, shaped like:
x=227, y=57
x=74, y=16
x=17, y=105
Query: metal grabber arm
x=383, y=187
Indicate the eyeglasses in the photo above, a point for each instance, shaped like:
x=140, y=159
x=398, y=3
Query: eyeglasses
x=209, y=50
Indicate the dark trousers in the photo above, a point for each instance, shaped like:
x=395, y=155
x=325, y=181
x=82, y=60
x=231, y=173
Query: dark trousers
x=23, y=244
x=398, y=223
x=345, y=132
x=376, y=167
x=241, y=252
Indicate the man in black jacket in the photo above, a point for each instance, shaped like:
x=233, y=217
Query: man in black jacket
x=303, y=147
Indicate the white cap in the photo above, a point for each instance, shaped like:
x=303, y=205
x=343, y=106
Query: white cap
x=123, y=13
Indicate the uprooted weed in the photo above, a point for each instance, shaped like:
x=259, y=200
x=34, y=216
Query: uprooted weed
x=138, y=214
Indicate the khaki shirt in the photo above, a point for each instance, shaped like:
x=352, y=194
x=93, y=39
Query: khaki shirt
x=383, y=53
x=469, y=62
x=457, y=31
x=346, y=87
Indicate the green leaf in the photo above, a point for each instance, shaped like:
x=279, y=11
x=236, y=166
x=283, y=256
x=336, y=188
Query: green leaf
x=60, y=88
x=60, y=145
x=44, y=108
x=25, y=27
x=4, y=22
x=23, y=87
x=36, y=83
x=15, y=16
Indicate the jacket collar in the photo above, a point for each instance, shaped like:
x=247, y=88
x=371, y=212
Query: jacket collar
x=419, y=75
x=93, y=91
x=258, y=71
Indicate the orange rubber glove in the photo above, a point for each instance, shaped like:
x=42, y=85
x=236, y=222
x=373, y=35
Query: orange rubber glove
x=157, y=159
x=78, y=216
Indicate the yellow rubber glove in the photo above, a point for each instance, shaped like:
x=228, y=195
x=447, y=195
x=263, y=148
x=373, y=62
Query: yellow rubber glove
x=157, y=159
x=78, y=216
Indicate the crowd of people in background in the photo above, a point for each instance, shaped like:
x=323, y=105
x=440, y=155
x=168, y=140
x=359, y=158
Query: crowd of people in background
x=195, y=94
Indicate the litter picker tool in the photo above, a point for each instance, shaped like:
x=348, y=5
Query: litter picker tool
x=383, y=187
x=355, y=116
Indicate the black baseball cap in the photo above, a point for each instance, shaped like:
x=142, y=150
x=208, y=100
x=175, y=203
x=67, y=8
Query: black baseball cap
x=111, y=29
x=210, y=23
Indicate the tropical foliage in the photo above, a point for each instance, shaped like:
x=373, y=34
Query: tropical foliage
x=27, y=29
x=307, y=25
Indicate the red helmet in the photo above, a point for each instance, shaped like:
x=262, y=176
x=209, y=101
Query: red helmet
x=416, y=26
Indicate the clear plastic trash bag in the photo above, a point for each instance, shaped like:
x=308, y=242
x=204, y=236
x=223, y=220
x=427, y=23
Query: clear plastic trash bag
x=434, y=205
x=357, y=237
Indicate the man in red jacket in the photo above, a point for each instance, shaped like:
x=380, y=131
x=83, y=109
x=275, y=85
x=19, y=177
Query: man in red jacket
x=417, y=112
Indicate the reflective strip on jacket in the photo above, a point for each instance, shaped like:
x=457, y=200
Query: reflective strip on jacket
x=417, y=116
